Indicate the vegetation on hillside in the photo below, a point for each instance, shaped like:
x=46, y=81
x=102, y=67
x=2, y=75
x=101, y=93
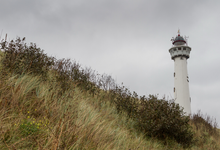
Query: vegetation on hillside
x=56, y=104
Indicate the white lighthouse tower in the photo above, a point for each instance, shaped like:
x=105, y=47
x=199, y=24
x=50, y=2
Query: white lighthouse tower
x=180, y=53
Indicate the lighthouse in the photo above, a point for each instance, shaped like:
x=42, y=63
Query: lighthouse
x=180, y=52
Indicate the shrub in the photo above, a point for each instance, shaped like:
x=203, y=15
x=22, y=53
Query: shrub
x=71, y=71
x=21, y=58
x=164, y=120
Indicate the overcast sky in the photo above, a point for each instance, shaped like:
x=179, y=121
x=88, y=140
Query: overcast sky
x=127, y=39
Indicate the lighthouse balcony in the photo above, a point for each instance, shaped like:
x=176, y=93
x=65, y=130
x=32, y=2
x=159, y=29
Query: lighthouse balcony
x=182, y=51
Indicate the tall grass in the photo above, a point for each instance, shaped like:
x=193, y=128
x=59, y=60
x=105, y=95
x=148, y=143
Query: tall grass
x=34, y=115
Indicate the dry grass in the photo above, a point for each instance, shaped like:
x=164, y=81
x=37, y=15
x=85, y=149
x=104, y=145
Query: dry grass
x=204, y=140
x=32, y=116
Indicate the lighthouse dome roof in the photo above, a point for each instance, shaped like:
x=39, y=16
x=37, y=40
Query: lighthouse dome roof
x=179, y=40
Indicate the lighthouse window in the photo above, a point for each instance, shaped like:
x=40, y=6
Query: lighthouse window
x=173, y=89
x=179, y=48
x=174, y=74
x=184, y=48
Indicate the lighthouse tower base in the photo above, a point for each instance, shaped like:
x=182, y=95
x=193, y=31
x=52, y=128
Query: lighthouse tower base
x=181, y=86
